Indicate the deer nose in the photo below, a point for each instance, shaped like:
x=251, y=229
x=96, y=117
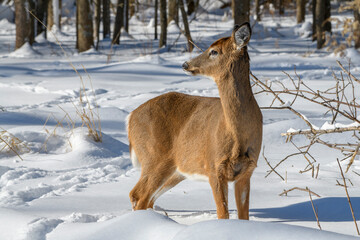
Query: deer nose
x=185, y=65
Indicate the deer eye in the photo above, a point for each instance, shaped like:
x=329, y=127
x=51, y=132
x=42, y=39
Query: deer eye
x=213, y=53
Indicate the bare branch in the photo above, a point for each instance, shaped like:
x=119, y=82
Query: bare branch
x=348, y=197
x=285, y=192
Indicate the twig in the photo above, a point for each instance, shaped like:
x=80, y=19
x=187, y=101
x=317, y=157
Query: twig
x=315, y=212
x=352, y=159
x=321, y=131
x=297, y=188
x=356, y=173
x=347, y=72
x=348, y=197
x=272, y=169
x=195, y=45
x=317, y=171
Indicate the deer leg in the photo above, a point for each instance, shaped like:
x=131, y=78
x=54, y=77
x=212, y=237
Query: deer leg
x=147, y=186
x=242, y=194
x=170, y=183
x=220, y=191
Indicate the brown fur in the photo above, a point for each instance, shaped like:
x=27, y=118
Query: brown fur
x=216, y=137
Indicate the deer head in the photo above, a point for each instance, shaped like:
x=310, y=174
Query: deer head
x=214, y=61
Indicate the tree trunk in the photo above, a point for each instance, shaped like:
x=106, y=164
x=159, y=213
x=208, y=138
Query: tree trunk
x=77, y=25
x=241, y=10
x=281, y=7
x=31, y=21
x=126, y=24
x=41, y=11
x=97, y=16
x=186, y=25
x=57, y=13
x=118, y=22
x=85, y=25
x=21, y=23
x=300, y=11
x=190, y=6
x=314, y=20
x=50, y=15
x=173, y=12
x=357, y=27
x=106, y=18
x=156, y=19
x=327, y=24
x=320, y=17
x=132, y=7
x=257, y=10
x=163, y=23
x=54, y=14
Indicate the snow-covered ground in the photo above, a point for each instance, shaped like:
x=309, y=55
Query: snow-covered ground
x=70, y=187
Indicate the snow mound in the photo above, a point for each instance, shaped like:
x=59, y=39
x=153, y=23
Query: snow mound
x=25, y=51
x=154, y=226
x=173, y=28
x=353, y=54
x=86, y=218
x=303, y=30
x=37, y=229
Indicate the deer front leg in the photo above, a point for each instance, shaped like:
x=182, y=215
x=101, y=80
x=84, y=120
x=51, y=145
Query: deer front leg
x=220, y=191
x=242, y=194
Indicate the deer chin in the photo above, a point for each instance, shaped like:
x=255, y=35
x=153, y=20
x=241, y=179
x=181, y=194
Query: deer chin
x=193, y=72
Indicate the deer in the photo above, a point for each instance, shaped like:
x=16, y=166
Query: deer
x=176, y=136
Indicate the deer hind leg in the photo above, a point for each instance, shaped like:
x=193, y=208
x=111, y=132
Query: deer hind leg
x=220, y=191
x=242, y=194
x=151, y=180
x=170, y=183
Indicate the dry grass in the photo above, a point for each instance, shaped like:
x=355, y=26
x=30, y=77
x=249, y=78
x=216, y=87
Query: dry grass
x=65, y=123
x=89, y=118
x=11, y=144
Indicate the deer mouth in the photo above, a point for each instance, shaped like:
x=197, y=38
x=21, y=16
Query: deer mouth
x=191, y=72
x=188, y=70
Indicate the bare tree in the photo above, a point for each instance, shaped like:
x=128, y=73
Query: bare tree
x=85, y=38
x=186, y=25
x=257, y=10
x=50, y=15
x=241, y=10
x=300, y=11
x=106, y=18
x=357, y=25
x=126, y=23
x=321, y=10
x=313, y=9
x=31, y=21
x=163, y=23
x=21, y=23
x=320, y=17
x=119, y=22
x=131, y=7
x=281, y=7
x=41, y=13
x=97, y=16
x=54, y=14
x=190, y=6
x=156, y=19
x=327, y=22
x=173, y=13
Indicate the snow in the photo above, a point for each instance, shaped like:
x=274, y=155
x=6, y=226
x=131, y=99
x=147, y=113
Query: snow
x=70, y=187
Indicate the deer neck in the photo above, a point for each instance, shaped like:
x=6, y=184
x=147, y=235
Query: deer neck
x=236, y=96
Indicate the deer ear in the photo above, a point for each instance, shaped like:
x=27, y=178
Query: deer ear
x=241, y=35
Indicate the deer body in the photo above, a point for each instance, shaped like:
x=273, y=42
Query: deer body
x=175, y=135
